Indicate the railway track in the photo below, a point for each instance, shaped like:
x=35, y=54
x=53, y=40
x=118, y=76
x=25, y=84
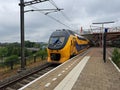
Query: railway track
x=23, y=78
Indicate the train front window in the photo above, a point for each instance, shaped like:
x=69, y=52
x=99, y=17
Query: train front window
x=56, y=40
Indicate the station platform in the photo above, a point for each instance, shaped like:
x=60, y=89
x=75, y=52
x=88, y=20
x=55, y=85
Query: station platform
x=83, y=72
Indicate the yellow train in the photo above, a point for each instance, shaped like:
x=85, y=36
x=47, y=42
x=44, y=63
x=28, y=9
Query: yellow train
x=63, y=44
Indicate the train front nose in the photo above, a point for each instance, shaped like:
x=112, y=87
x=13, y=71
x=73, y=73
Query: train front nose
x=55, y=56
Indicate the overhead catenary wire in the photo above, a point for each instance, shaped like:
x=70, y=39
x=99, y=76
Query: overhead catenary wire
x=53, y=3
x=50, y=17
x=65, y=16
x=43, y=10
x=57, y=9
x=58, y=21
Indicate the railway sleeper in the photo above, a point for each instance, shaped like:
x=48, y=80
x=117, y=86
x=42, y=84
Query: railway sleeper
x=9, y=88
x=30, y=78
x=15, y=86
x=20, y=84
x=36, y=75
x=42, y=72
x=48, y=69
x=26, y=81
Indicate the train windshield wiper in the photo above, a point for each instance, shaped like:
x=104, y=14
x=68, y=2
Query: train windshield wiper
x=57, y=42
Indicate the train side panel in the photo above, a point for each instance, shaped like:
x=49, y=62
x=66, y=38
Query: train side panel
x=81, y=45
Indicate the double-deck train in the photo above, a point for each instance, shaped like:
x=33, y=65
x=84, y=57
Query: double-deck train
x=64, y=44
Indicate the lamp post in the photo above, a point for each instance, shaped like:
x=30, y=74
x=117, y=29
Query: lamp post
x=104, y=44
x=105, y=32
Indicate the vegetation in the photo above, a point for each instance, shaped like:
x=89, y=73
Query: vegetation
x=116, y=57
x=42, y=53
x=10, y=53
x=3, y=52
x=29, y=44
x=10, y=61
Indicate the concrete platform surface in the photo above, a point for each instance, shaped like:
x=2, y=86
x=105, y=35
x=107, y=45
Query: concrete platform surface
x=88, y=72
x=98, y=75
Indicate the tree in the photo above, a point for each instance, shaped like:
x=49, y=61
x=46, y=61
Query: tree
x=3, y=52
x=11, y=60
x=13, y=49
x=42, y=54
x=29, y=44
x=28, y=52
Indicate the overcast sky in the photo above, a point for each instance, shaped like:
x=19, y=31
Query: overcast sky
x=38, y=26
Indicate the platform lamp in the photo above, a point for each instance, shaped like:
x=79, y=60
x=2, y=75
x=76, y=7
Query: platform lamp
x=104, y=39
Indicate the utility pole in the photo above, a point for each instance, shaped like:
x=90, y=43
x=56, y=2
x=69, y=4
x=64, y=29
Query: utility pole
x=22, y=34
x=22, y=5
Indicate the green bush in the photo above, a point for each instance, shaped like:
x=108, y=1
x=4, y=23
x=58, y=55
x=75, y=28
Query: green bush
x=116, y=56
x=42, y=54
x=10, y=61
x=3, y=52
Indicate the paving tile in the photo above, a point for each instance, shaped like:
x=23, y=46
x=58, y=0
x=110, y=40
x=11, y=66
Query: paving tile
x=98, y=75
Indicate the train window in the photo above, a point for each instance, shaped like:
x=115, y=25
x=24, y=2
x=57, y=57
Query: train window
x=62, y=39
x=52, y=40
x=81, y=38
x=56, y=40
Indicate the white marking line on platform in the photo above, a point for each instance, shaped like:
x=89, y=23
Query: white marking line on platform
x=68, y=82
x=114, y=65
x=63, y=71
x=48, y=73
x=47, y=85
x=44, y=75
x=66, y=69
x=59, y=75
x=54, y=79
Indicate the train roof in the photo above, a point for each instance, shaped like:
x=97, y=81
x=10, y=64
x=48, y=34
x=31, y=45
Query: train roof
x=66, y=32
x=60, y=33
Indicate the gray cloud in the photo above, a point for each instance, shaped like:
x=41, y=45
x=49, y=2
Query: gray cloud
x=38, y=27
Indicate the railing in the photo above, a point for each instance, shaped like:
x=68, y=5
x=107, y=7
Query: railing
x=114, y=30
x=91, y=31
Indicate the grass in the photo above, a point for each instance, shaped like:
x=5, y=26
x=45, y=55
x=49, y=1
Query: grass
x=116, y=56
x=6, y=72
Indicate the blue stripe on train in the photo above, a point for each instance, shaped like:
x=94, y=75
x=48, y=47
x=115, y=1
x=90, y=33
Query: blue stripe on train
x=80, y=47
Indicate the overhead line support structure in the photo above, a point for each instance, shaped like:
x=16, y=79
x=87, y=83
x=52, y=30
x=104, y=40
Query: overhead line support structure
x=54, y=10
x=22, y=4
x=33, y=2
